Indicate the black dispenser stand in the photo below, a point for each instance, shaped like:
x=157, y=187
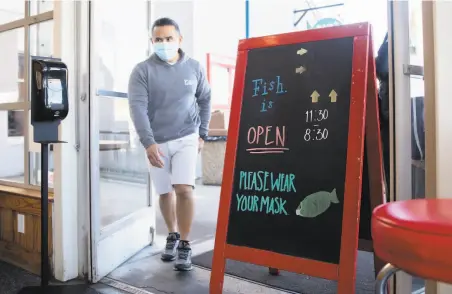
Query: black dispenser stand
x=46, y=133
x=45, y=268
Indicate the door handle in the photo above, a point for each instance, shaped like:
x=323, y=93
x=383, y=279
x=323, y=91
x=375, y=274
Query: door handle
x=413, y=70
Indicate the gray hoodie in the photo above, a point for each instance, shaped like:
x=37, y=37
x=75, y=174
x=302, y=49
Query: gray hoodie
x=167, y=101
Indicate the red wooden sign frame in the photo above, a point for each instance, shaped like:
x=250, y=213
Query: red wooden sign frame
x=363, y=116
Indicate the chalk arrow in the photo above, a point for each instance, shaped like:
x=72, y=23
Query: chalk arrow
x=302, y=51
x=333, y=96
x=315, y=96
x=300, y=70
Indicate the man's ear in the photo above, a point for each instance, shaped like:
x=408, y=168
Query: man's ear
x=181, y=39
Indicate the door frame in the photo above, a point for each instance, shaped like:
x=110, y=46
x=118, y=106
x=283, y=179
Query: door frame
x=400, y=124
x=102, y=248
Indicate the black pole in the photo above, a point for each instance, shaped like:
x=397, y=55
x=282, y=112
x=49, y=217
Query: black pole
x=45, y=288
x=44, y=214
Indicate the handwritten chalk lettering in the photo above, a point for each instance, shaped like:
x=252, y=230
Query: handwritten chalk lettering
x=266, y=105
x=273, y=138
x=315, y=134
x=268, y=135
x=262, y=87
x=265, y=204
x=263, y=181
x=316, y=115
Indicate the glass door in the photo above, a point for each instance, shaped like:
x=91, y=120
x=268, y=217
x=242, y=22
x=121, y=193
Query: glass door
x=122, y=210
x=408, y=148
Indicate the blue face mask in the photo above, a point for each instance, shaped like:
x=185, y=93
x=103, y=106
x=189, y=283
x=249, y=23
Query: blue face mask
x=166, y=50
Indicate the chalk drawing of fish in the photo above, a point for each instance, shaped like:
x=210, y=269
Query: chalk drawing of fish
x=302, y=51
x=316, y=203
x=300, y=70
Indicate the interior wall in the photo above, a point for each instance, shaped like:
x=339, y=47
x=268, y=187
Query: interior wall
x=219, y=25
x=182, y=12
x=272, y=16
x=438, y=61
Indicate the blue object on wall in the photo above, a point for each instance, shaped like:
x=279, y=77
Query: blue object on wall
x=247, y=19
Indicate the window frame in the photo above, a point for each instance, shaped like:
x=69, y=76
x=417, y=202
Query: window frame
x=25, y=23
x=227, y=63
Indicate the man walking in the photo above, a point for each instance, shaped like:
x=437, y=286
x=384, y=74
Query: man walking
x=169, y=99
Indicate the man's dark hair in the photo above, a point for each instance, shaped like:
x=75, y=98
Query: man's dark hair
x=166, y=21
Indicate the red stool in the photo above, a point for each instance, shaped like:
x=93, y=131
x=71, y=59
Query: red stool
x=414, y=236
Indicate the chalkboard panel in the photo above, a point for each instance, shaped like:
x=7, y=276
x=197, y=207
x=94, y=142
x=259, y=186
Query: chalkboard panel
x=289, y=176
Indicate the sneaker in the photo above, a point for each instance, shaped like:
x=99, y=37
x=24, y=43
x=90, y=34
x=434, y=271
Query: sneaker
x=183, y=262
x=172, y=241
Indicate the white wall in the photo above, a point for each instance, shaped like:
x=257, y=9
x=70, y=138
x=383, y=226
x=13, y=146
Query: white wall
x=11, y=10
x=219, y=25
x=216, y=26
x=182, y=12
x=443, y=64
x=269, y=17
x=438, y=61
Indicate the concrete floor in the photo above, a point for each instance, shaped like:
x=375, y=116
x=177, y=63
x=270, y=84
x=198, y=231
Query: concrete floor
x=13, y=279
x=146, y=272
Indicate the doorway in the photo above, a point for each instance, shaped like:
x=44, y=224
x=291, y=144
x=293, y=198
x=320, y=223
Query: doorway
x=407, y=113
x=122, y=213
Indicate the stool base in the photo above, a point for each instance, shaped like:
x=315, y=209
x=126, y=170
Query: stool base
x=383, y=276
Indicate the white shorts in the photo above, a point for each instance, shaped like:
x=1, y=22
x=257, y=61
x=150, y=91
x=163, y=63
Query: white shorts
x=179, y=159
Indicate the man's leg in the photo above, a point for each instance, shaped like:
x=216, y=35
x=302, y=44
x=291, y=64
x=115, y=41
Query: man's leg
x=167, y=203
x=161, y=178
x=167, y=208
x=183, y=176
x=185, y=209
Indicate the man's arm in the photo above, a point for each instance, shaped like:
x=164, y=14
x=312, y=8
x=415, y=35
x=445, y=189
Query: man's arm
x=203, y=95
x=138, y=106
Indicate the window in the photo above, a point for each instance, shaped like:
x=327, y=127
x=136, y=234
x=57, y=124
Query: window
x=40, y=6
x=16, y=123
x=41, y=46
x=12, y=86
x=11, y=11
x=19, y=19
x=121, y=165
x=12, y=94
x=12, y=167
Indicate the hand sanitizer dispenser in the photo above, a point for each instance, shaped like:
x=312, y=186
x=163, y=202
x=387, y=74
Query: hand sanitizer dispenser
x=49, y=98
x=49, y=93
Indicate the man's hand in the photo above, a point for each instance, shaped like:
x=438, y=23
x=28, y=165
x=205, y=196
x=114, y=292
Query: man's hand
x=200, y=145
x=153, y=152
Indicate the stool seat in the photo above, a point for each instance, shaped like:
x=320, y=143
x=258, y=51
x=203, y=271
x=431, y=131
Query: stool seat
x=415, y=236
